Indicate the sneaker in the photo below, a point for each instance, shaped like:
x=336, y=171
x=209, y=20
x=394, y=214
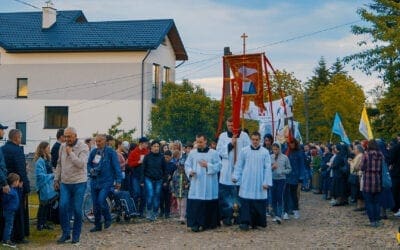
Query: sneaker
x=274, y=219
x=333, y=202
x=195, y=229
x=227, y=222
x=75, y=242
x=397, y=214
x=244, y=227
x=95, y=229
x=9, y=243
x=278, y=220
x=296, y=214
x=63, y=239
x=285, y=216
x=107, y=224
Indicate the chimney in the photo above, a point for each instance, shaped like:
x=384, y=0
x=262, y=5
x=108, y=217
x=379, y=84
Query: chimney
x=49, y=16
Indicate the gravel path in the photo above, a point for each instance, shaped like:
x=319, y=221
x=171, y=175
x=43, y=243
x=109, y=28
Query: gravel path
x=320, y=226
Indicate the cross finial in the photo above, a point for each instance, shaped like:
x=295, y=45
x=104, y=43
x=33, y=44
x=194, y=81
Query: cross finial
x=244, y=36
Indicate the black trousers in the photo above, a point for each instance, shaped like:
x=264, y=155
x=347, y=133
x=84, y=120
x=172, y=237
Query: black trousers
x=253, y=212
x=165, y=201
x=202, y=213
x=21, y=220
x=396, y=192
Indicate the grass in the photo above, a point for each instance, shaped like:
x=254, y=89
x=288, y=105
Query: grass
x=33, y=204
x=39, y=237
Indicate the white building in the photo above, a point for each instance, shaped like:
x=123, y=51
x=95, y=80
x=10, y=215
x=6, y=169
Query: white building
x=57, y=70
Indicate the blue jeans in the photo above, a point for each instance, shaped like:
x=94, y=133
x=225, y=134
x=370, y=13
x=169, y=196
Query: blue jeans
x=71, y=201
x=153, y=191
x=372, y=206
x=278, y=188
x=100, y=205
x=137, y=192
x=8, y=224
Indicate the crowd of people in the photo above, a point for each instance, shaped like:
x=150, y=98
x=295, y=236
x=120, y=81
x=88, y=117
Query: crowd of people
x=239, y=180
x=366, y=174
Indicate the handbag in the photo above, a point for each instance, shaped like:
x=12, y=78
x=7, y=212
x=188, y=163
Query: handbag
x=386, y=179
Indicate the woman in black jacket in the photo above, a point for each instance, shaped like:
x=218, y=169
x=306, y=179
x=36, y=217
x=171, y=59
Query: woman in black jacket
x=153, y=177
x=341, y=170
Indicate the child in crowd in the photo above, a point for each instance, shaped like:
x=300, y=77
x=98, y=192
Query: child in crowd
x=165, y=199
x=180, y=188
x=10, y=204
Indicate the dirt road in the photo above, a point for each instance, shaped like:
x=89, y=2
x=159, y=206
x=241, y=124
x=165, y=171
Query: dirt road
x=320, y=226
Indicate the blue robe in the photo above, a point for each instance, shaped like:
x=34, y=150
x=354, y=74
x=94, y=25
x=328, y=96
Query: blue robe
x=252, y=171
x=204, y=185
x=202, y=203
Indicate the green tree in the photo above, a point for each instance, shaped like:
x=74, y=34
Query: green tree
x=120, y=134
x=321, y=75
x=312, y=102
x=382, y=56
x=337, y=68
x=345, y=96
x=184, y=111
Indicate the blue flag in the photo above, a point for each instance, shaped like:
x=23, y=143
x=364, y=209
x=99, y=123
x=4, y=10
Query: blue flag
x=339, y=129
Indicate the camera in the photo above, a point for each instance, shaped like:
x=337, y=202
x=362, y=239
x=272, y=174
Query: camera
x=95, y=172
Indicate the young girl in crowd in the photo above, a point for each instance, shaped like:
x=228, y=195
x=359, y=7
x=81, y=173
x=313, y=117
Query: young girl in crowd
x=280, y=168
x=44, y=183
x=180, y=189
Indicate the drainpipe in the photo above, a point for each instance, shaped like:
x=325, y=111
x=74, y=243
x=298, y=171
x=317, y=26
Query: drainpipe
x=179, y=64
x=142, y=97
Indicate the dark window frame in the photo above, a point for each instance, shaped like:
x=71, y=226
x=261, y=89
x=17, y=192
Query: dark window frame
x=18, y=87
x=51, y=122
x=22, y=127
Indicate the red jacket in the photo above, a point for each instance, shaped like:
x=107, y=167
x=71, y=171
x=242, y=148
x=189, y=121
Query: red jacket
x=134, y=156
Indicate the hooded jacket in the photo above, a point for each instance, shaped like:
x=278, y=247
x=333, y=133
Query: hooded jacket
x=283, y=162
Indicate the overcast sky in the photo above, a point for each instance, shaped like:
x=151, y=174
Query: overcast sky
x=282, y=29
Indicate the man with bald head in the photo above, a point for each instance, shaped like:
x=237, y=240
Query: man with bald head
x=70, y=179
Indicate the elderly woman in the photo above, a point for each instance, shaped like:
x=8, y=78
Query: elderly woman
x=371, y=166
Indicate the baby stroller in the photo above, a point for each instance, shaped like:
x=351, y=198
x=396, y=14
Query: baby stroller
x=124, y=205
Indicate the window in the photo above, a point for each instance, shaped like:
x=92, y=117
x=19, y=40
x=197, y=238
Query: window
x=55, y=117
x=22, y=87
x=167, y=74
x=22, y=127
x=156, y=83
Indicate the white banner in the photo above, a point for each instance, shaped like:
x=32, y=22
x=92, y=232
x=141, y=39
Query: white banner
x=253, y=113
x=281, y=131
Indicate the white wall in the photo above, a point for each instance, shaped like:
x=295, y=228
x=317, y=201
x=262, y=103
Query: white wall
x=97, y=86
x=87, y=117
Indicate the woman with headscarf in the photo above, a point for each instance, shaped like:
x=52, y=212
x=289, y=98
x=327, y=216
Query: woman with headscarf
x=325, y=179
x=386, y=200
x=371, y=165
x=339, y=168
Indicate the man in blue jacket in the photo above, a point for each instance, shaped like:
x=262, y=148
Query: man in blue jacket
x=105, y=172
x=15, y=161
x=3, y=170
x=4, y=187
